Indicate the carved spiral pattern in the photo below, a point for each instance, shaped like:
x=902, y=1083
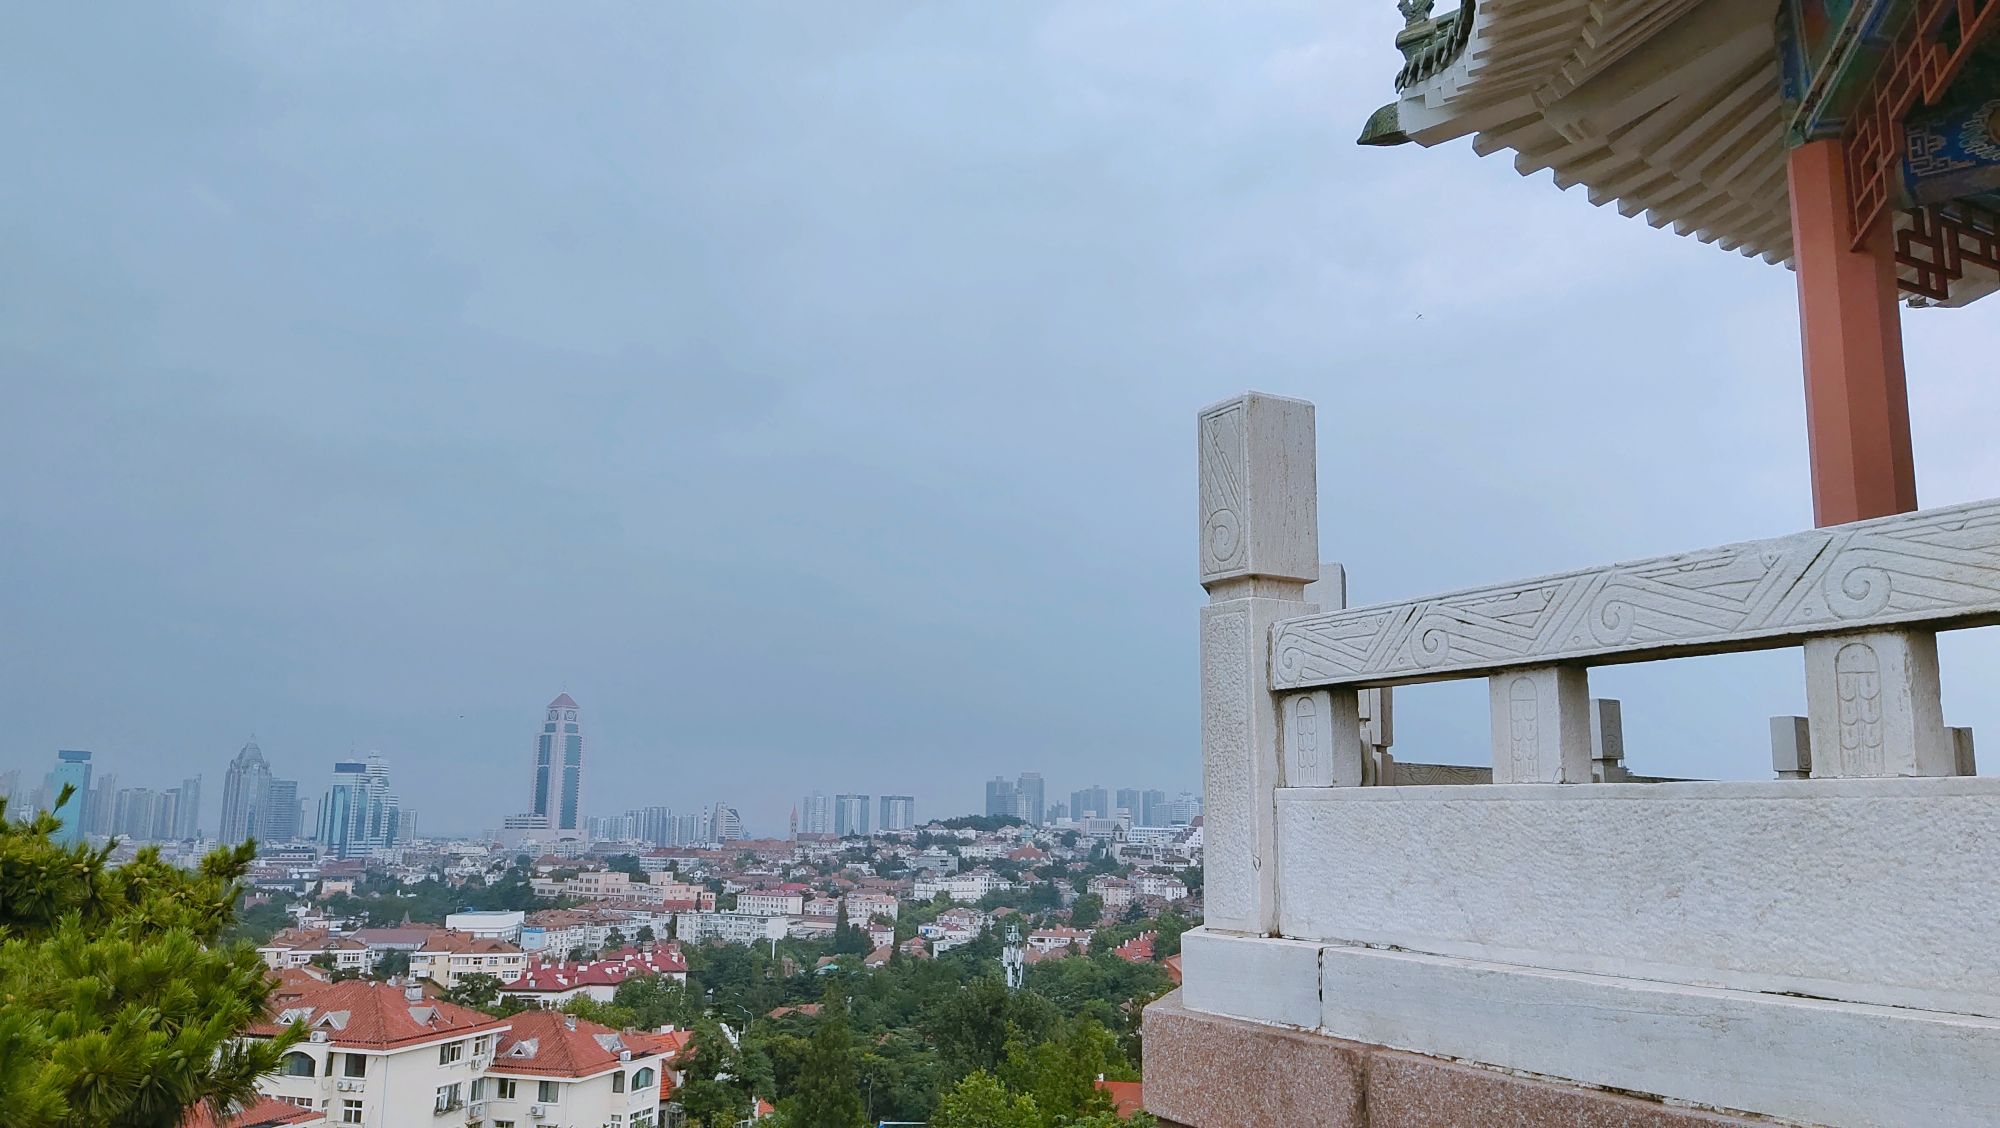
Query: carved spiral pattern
x=1856, y=589
x=1612, y=621
x=1225, y=532
x=1431, y=645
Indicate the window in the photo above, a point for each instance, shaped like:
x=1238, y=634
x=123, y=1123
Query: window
x=302, y=1102
x=298, y=1064
x=506, y=1087
x=617, y=1121
x=451, y=1052
x=547, y=1092
x=503, y=1124
x=478, y=1088
x=618, y=1082
x=355, y=1066
x=642, y=1080
x=350, y=1112
x=448, y=1097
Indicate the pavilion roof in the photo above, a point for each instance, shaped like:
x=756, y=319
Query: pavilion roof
x=1666, y=108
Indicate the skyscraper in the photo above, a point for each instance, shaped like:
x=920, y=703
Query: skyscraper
x=557, y=789
x=1128, y=802
x=1031, y=798
x=850, y=816
x=187, y=809
x=1089, y=803
x=815, y=814
x=999, y=797
x=340, y=809
x=243, y=794
x=278, y=820
x=725, y=825
x=1152, y=808
x=72, y=769
x=899, y=812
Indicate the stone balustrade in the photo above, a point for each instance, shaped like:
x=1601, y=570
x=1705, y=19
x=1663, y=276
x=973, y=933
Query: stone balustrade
x=1814, y=946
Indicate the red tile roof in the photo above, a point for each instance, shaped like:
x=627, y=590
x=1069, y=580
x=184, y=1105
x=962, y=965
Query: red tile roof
x=267, y=1112
x=1138, y=949
x=615, y=968
x=1127, y=1097
x=563, y=1045
x=361, y=1014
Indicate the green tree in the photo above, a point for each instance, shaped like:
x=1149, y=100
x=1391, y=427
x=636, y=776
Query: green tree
x=979, y=1101
x=646, y=934
x=1085, y=910
x=829, y=1092
x=1061, y=1075
x=393, y=962
x=478, y=990
x=123, y=1007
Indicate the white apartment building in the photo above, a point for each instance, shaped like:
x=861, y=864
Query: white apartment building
x=864, y=907
x=1159, y=885
x=446, y=958
x=299, y=947
x=488, y=924
x=964, y=888
x=770, y=902
x=377, y=1055
x=556, y=1069
x=731, y=928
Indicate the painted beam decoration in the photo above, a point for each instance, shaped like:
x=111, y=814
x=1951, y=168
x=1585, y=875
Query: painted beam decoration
x=1828, y=52
x=1937, y=568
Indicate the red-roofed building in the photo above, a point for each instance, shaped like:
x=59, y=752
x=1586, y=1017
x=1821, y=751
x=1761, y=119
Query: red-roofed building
x=1127, y=1097
x=550, y=985
x=376, y=1055
x=576, y=1072
x=446, y=958
x=266, y=1112
x=1138, y=949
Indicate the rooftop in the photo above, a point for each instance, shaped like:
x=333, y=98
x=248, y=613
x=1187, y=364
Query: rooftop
x=367, y=1015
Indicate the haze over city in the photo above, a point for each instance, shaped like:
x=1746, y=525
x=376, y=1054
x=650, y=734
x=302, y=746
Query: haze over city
x=811, y=398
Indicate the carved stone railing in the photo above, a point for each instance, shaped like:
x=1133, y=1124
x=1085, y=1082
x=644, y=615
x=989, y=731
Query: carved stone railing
x=1815, y=946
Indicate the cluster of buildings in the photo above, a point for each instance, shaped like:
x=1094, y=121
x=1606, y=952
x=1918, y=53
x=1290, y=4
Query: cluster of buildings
x=387, y=1055
x=1026, y=798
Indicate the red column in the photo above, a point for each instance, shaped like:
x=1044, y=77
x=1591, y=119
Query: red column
x=1857, y=405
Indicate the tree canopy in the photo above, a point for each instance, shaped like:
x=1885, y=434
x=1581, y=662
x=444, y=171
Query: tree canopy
x=123, y=1008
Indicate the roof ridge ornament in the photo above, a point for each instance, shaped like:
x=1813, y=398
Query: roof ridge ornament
x=1415, y=11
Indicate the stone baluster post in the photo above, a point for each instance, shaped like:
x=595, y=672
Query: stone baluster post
x=1873, y=704
x=1791, y=747
x=1259, y=513
x=1607, y=741
x=1541, y=725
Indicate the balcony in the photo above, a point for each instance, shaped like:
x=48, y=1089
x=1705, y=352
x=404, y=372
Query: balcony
x=1550, y=936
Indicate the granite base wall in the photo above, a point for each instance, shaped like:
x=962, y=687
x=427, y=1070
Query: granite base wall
x=1207, y=1071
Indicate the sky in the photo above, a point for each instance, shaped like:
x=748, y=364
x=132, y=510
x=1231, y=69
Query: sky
x=809, y=390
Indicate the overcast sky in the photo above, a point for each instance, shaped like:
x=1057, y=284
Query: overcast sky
x=809, y=389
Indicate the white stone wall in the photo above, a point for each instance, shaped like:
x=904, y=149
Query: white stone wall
x=1873, y=890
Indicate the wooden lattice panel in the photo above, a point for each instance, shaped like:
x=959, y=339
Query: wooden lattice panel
x=1938, y=247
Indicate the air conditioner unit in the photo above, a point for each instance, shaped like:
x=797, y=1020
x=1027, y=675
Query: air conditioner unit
x=317, y=1036
x=476, y=1110
x=350, y=1085
x=538, y=1112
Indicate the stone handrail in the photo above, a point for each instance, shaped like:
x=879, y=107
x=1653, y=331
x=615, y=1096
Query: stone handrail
x=1937, y=569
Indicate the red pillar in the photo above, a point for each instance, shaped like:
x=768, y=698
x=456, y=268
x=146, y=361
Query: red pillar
x=1857, y=405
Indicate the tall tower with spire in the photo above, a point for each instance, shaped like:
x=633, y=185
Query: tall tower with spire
x=243, y=794
x=556, y=791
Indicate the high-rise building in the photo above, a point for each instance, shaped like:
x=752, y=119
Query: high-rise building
x=816, y=814
x=382, y=817
x=999, y=797
x=556, y=791
x=341, y=809
x=100, y=814
x=1030, y=798
x=899, y=812
x=72, y=770
x=850, y=816
x=1184, y=809
x=187, y=809
x=10, y=786
x=724, y=824
x=1089, y=803
x=1152, y=808
x=1127, y=801
x=243, y=794
x=280, y=816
